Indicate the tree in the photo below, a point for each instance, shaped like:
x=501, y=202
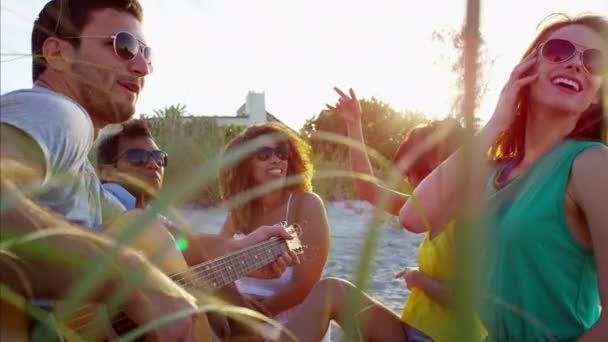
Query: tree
x=455, y=41
x=383, y=128
x=172, y=112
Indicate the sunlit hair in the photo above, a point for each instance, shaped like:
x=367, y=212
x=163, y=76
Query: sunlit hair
x=443, y=137
x=239, y=178
x=592, y=123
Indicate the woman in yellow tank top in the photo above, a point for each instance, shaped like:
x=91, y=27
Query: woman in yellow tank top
x=426, y=315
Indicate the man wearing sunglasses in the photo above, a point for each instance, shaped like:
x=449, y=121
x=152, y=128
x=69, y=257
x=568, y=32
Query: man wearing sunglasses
x=130, y=164
x=90, y=60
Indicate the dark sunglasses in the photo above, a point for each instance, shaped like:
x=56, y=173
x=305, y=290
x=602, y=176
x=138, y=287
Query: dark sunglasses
x=140, y=157
x=561, y=50
x=265, y=153
x=126, y=46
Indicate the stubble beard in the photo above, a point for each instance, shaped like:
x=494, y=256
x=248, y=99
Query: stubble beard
x=97, y=97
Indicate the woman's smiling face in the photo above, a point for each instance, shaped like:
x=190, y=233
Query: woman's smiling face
x=567, y=86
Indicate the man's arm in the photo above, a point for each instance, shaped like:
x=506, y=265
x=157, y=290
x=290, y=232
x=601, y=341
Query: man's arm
x=22, y=166
x=52, y=275
x=201, y=247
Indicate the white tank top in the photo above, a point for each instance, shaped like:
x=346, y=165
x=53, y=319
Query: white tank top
x=268, y=287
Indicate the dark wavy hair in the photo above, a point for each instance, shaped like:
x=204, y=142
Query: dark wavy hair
x=592, y=122
x=108, y=147
x=238, y=178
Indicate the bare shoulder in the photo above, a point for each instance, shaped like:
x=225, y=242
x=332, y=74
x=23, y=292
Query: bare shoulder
x=312, y=217
x=590, y=172
x=309, y=200
x=591, y=162
x=309, y=196
x=311, y=211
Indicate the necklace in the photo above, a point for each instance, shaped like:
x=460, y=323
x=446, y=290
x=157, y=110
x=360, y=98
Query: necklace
x=502, y=177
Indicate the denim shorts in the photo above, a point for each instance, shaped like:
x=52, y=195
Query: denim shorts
x=415, y=335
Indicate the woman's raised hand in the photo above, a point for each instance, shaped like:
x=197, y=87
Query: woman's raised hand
x=347, y=107
x=506, y=108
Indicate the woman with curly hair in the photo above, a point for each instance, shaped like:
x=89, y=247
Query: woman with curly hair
x=282, y=162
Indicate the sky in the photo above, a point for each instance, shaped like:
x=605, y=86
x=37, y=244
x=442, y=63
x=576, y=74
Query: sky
x=209, y=54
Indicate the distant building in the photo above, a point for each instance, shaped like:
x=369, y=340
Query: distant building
x=252, y=112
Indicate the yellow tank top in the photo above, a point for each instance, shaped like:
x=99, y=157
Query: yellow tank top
x=420, y=311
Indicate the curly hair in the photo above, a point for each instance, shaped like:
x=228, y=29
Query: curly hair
x=592, y=122
x=238, y=177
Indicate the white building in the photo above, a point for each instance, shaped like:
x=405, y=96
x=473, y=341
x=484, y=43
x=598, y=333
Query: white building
x=252, y=112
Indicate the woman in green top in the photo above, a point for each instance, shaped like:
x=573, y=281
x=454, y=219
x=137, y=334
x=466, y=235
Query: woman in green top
x=545, y=271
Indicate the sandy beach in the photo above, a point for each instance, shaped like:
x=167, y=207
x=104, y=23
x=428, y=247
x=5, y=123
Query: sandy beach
x=349, y=221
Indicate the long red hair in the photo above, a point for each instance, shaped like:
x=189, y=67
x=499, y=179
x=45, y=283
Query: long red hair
x=592, y=122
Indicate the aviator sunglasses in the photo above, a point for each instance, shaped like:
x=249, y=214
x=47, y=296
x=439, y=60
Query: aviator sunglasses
x=265, y=153
x=140, y=157
x=561, y=50
x=126, y=46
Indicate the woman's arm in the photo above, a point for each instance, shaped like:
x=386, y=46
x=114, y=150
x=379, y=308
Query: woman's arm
x=349, y=109
x=311, y=216
x=589, y=180
x=437, y=196
x=372, y=192
x=437, y=290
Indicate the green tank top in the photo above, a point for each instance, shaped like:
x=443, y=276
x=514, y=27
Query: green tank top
x=540, y=284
